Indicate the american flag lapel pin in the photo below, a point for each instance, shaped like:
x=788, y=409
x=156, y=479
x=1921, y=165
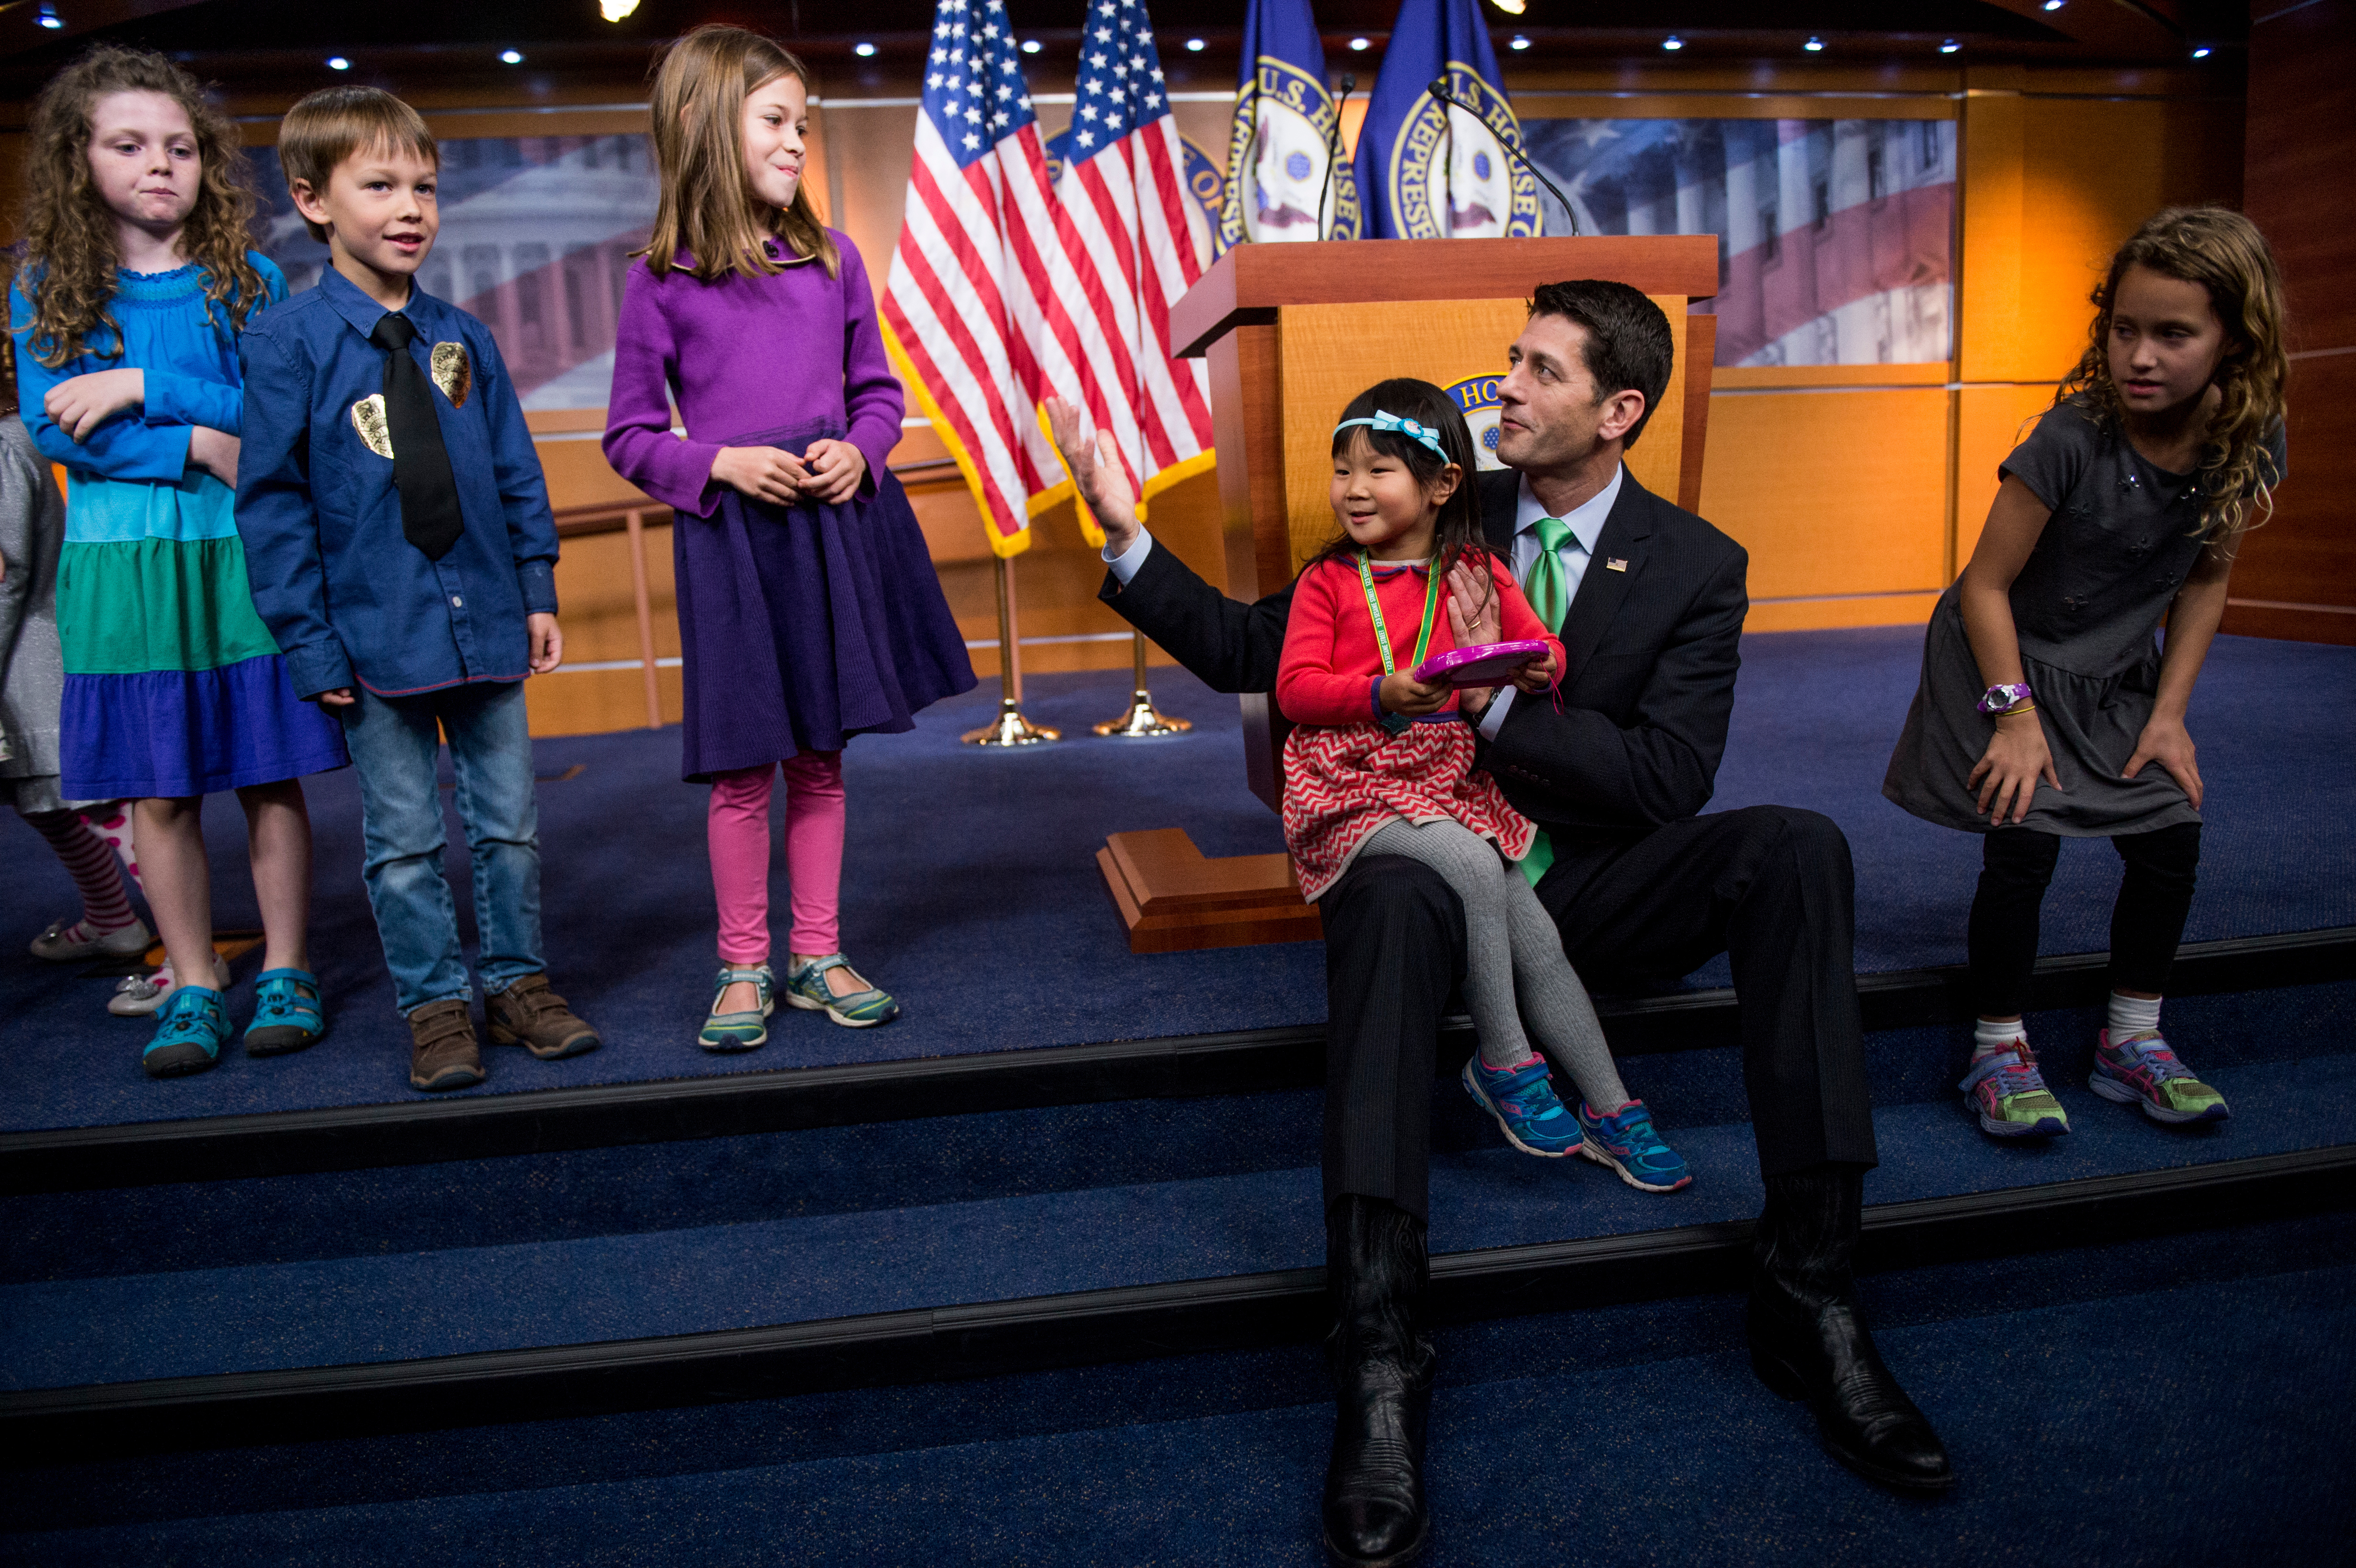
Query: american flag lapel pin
x=1615, y=563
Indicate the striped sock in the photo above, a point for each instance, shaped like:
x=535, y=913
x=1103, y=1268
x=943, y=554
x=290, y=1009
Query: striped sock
x=106, y=906
x=110, y=826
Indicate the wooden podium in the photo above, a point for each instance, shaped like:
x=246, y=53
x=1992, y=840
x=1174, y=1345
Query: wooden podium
x=1292, y=333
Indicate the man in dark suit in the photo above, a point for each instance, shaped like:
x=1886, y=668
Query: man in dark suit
x=1641, y=886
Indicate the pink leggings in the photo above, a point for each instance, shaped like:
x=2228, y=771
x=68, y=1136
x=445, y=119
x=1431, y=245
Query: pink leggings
x=738, y=831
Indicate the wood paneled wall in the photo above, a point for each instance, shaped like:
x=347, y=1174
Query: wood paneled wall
x=2296, y=575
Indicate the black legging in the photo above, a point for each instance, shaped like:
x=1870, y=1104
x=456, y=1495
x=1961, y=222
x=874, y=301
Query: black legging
x=2147, y=922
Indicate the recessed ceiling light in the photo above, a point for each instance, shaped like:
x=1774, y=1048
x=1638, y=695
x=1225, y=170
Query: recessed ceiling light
x=1030, y=46
x=1361, y=43
x=2201, y=53
x=1815, y=45
x=2053, y=5
x=863, y=49
x=48, y=16
x=511, y=57
x=337, y=62
x=1511, y=7
x=616, y=10
x=1950, y=47
x=1673, y=43
x=1518, y=41
x=1196, y=45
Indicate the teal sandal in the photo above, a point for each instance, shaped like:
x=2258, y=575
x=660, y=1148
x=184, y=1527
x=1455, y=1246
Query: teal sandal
x=806, y=988
x=190, y=1029
x=286, y=1013
x=739, y=1031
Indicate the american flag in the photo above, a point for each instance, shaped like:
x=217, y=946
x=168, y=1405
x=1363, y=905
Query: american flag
x=1136, y=241
x=961, y=314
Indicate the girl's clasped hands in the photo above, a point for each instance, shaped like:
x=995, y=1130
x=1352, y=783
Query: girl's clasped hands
x=830, y=472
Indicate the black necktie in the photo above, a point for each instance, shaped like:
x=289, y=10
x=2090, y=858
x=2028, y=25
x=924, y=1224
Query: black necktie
x=430, y=517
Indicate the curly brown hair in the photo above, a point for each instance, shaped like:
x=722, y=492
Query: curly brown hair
x=2224, y=253
x=70, y=253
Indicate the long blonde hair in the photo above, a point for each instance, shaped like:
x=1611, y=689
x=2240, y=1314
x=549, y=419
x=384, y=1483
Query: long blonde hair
x=72, y=251
x=2224, y=253
x=708, y=210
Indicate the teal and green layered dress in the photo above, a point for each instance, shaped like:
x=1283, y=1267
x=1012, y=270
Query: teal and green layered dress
x=173, y=686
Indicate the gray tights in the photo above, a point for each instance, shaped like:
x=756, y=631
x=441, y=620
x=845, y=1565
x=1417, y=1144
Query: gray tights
x=1515, y=967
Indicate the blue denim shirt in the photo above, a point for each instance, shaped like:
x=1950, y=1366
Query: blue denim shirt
x=344, y=592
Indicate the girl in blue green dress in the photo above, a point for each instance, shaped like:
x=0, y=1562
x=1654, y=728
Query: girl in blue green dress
x=126, y=312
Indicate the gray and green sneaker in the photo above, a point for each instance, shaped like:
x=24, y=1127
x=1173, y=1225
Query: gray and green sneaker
x=806, y=987
x=2009, y=1095
x=739, y=1031
x=2140, y=1070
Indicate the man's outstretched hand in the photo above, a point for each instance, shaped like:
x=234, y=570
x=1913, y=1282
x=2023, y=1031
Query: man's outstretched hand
x=1098, y=475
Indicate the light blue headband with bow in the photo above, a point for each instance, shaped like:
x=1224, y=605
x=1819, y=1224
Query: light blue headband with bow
x=1382, y=420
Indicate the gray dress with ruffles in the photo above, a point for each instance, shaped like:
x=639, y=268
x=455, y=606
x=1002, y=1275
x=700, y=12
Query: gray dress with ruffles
x=2087, y=606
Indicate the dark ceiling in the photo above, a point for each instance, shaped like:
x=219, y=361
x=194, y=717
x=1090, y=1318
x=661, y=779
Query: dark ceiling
x=267, y=46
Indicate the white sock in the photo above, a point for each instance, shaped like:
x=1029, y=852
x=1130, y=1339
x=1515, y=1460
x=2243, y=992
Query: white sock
x=2133, y=1015
x=1987, y=1038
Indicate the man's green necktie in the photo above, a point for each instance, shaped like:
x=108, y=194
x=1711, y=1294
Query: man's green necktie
x=1549, y=592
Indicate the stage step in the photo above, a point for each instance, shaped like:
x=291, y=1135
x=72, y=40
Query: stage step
x=1632, y=1433
x=417, y=1130
x=961, y=1243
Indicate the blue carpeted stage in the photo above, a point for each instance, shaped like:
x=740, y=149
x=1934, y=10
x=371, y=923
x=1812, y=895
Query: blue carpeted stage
x=1071, y=1321
x=970, y=890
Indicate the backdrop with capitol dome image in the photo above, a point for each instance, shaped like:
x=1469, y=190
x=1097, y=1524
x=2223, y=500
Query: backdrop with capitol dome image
x=1835, y=237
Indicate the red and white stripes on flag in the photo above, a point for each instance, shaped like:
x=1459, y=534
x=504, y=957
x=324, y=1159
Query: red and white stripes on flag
x=976, y=253
x=1136, y=241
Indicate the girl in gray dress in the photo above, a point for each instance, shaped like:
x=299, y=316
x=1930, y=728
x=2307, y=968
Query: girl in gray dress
x=2047, y=709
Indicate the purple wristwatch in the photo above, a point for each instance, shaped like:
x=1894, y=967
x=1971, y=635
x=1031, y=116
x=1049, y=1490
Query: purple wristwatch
x=1996, y=699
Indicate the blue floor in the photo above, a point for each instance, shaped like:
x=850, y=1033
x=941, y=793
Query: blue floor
x=614, y=1244
x=2151, y=1402
x=972, y=891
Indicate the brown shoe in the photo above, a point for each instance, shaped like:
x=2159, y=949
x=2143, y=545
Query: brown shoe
x=442, y=1054
x=531, y=1015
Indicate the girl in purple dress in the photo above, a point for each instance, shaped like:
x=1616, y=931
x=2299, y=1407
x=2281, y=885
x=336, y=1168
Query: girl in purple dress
x=809, y=609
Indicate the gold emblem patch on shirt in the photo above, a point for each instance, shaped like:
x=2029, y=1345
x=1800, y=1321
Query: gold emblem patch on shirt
x=368, y=418
x=452, y=373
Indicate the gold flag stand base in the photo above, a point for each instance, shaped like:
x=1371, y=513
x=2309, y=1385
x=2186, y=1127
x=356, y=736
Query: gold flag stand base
x=1010, y=728
x=1142, y=720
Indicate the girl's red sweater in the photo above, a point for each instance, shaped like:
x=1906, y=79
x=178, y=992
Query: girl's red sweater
x=1332, y=668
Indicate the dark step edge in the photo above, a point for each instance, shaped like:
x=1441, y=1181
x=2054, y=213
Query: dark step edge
x=347, y=1137
x=1038, y=1333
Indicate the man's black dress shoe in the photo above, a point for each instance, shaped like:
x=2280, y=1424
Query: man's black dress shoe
x=1375, y=1268
x=1809, y=1343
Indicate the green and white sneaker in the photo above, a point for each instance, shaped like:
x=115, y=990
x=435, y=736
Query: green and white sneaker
x=806, y=988
x=739, y=1031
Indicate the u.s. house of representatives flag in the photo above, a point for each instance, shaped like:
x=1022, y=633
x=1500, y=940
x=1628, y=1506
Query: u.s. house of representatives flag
x=1428, y=173
x=1284, y=180
x=974, y=262
x=1137, y=241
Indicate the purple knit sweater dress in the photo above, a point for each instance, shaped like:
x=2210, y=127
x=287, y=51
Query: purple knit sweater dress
x=801, y=626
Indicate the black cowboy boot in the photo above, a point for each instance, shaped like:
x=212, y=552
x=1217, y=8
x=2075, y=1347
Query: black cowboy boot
x=1809, y=1343
x=1375, y=1269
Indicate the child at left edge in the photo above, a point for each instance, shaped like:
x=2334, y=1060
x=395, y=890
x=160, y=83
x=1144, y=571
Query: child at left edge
x=398, y=534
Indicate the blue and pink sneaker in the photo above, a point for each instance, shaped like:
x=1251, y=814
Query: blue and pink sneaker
x=2008, y=1094
x=1522, y=1100
x=1625, y=1141
x=2142, y=1070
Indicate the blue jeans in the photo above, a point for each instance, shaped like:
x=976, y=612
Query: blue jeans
x=396, y=745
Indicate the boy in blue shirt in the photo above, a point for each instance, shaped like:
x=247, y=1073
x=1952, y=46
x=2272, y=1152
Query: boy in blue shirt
x=399, y=539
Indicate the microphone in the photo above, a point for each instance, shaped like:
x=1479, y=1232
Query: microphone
x=1333, y=149
x=1438, y=87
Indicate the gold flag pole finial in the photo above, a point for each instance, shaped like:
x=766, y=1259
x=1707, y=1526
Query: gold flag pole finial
x=1010, y=728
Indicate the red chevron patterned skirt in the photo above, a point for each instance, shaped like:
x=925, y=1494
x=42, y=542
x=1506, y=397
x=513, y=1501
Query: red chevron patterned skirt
x=1342, y=783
